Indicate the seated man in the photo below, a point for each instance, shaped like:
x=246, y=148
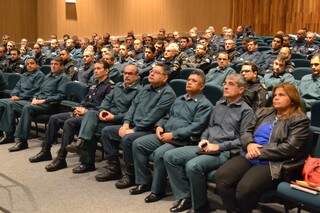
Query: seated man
x=171, y=59
x=68, y=65
x=187, y=119
x=252, y=54
x=44, y=101
x=124, y=58
x=86, y=70
x=151, y=104
x=114, y=74
x=255, y=94
x=23, y=92
x=271, y=55
x=231, y=48
x=200, y=60
x=278, y=75
x=15, y=63
x=145, y=64
x=71, y=121
x=310, y=84
x=111, y=112
x=216, y=76
x=187, y=168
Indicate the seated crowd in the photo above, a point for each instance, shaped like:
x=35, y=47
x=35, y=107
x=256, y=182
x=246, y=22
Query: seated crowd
x=247, y=136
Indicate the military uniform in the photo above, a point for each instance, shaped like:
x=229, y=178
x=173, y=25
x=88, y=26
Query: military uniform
x=308, y=50
x=122, y=62
x=270, y=80
x=85, y=72
x=16, y=66
x=70, y=70
x=310, y=89
x=51, y=90
x=196, y=61
x=3, y=63
x=28, y=85
x=174, y=65
x=114, y=74
x=255, y=57
x=71, y=124
x=187, y=118
x=188, y=170
x=116, y=102
x=268, y=58
x=144, y=67
x=40, y=59
x=216, y=76
x=147, y=108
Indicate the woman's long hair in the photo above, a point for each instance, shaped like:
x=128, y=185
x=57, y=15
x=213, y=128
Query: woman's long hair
x=296, y=102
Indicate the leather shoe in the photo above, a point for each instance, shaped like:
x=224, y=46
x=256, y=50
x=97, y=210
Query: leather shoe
x=139, y=189
x=83, y=168
x=41, y=156
x=125, y=182
x=56, y=164
x=75, y=147
x=19, y=145
x=152, y=197
x=182, y=205
x=4, y=139
x=107, y=176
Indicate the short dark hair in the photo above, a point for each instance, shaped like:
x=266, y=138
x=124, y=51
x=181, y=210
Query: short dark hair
x=254, y=67
x=279, y=37
x=31, y=58
x=15, y=49
x=58, y=59
x=150, y=47
x=104, y=63
x=165, y=67
x=199, y=73
x=65, y=49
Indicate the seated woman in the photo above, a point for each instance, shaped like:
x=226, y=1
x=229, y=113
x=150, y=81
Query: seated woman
x=277, y=136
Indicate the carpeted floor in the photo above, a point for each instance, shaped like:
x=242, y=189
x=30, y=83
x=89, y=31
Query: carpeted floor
x=28, y=188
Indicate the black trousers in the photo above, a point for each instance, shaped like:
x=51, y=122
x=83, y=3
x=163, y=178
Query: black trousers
x=241, y=184
x=68, y=123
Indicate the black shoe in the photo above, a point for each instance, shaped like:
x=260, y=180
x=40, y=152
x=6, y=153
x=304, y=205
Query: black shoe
x=75, y=147
x=41, y=156
x=4, y=139
x=125, y=182
x=182, y=205
x=19, y=145
x=83, y=168
x=139, y=189
x=107, y=176
x=56, y=165
x=152, y=197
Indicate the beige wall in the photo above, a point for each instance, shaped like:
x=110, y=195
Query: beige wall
x=18, y=19
x=119, y=16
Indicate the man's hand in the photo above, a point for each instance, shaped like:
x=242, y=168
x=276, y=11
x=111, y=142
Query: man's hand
x=37, y=101
x=167, y=137
x=159, y=131
x=79, y=111
x=106, y=116
x=124, y=130
x=203, y=143
x=253, y=151
x=211, y=147
x=14, y=98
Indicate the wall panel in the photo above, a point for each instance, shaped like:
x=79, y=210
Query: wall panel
x=120, y=16
x=18, y=19
x=269, y=16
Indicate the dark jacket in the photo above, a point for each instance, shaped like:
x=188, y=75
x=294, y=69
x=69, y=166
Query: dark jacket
x=287, y=140
x=28, y=85
x=255, y=95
